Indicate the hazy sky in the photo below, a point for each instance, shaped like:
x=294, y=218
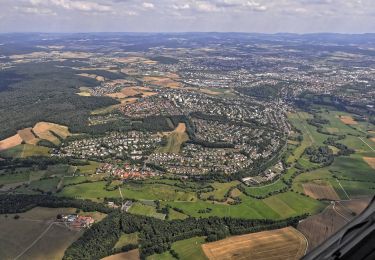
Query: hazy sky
x=268, y=16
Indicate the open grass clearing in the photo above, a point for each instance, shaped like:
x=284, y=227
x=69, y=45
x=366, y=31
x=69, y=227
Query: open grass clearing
x=266, y=189
x=139, y=208
x=221, y=189
x=174, y=140
x=188, y=249
x=97, y=190
x=127, y=239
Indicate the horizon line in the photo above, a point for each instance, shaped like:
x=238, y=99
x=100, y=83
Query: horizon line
x=187, y=32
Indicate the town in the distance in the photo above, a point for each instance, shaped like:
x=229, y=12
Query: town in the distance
x=183, y=145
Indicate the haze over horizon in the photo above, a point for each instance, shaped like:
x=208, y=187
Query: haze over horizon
x=262, y=16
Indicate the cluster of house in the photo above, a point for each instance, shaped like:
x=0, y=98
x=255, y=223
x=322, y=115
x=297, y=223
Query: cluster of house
x=76, y=221
x=127, y=171
x=215, y=132
x=134, y=145
x=113, y=86
x=196, y=160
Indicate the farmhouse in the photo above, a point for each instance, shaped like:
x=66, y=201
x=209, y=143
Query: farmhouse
x=78, y=222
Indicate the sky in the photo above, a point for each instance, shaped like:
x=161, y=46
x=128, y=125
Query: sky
x=263, y=16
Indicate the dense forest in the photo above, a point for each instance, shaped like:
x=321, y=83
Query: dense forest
x=322, y=155
x=46, y=93
x=263, y=91
x=21, y=203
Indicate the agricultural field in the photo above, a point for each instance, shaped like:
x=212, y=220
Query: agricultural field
x=29, y=137
x=319, y=227
x=370, y=161
x=349, y=176
x=186, y=249
x=25, y=150
x=320, y=190
x=25, y=180
x=261, y=245
x=34, y=235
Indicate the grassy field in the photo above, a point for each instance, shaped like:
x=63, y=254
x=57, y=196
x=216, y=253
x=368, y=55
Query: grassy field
x=127, y=239
x=34, y=178
x=131, y=191
x=88, y=169
x=145, y=210
x=250, y=208
x=176, y=215
x=186, y=249
x=266, y=189
x=220, y=190
x=46, y=185
x=14, y=178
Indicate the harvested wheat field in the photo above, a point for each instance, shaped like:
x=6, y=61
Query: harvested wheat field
x=162, y=82
x=348, y=120
x=138, y=90
x=285, y=243
x=320, y=191
x=28, y=136
x=370, y=161
x=131, y=255
x=132, y=91
x=41, y=130
x=92, y=76
x=10, y=142
x=47, y=131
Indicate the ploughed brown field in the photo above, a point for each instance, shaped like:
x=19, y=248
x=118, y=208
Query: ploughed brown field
x=319, y=227
x=285, y=243
x=131, y=255
x=356, y=205
x=42, y=130
x=320, y=191
x=162, y=82
x=348, y=120
x=132, y=91
x=370, y=161
x=10, y=142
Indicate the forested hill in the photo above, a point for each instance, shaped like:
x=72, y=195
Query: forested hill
x=45, y=92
